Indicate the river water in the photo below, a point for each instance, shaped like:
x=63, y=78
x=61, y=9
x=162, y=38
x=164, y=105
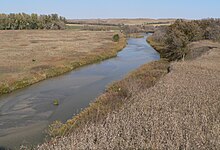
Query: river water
x=25, y=113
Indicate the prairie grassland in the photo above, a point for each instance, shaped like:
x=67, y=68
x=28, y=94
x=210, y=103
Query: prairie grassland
x=181, y=111
x=135, y=35
x=92, y=27
x=27, y=57
x=138, y=21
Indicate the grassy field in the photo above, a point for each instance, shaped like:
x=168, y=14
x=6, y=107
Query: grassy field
x=92, y=27
x=27, y=57
x=135, y=35
x=138, y=21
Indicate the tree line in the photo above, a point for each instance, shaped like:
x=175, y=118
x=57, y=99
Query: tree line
x=177, y=36
x=23, y=21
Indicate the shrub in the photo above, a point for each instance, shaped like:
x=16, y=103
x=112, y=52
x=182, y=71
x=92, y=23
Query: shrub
x=177, y=36
x=159, y=34
x=56, y=102
x=177, y=43
x=116, y=38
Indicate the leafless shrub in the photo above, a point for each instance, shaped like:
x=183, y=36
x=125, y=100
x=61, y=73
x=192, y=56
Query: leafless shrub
x=159, y=34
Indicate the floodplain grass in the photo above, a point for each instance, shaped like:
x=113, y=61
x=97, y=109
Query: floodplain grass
x=30, y=56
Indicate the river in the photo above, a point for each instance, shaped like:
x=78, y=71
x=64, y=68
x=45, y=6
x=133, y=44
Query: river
x=26, y=113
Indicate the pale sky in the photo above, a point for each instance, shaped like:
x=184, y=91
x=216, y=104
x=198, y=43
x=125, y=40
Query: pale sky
x=80, y=9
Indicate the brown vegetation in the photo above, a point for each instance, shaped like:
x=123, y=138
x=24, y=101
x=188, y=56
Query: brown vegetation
x=138, y=21
x=130, y=29
x=128, y=26
x=135, y=35
x=27, y=57
x=92, y=27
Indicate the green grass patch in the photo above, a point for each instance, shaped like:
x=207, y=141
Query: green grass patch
x=116, y=38
x=56, y=102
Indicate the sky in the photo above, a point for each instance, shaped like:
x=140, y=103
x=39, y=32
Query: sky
x=87, y=9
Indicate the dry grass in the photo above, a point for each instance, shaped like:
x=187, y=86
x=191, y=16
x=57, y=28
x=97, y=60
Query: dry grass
x=92, y=27
x=156, y=45
x=135, y=35
x=27, y=57
x=180, y=112
x=138, y=21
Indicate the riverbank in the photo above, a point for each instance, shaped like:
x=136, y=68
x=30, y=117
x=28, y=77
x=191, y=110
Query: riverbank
x=179, y=111
x=34, y=106
x=37, y=55
x=113, y=99
x=135, y=35
x=158, y=46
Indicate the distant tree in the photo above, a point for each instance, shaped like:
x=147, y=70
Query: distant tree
x=22, y=21
x=159, y=34
x=177, y=36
